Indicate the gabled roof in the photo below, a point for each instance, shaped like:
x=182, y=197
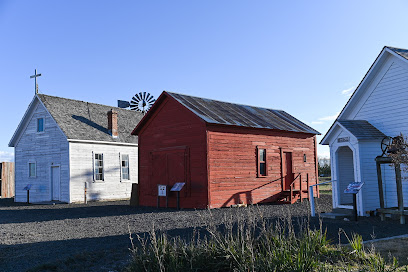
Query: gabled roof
x=80, y=120
x=400, y=53
x=362, y=129
x=224, y=113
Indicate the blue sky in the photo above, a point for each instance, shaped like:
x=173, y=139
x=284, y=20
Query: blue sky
x=304, y=57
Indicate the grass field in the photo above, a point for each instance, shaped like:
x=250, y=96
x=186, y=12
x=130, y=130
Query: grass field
x=325, y=188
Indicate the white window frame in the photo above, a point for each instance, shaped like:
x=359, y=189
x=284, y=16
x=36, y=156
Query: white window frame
x=121, y=167
x=43, y=124
x=98, y=167
x=35, y=169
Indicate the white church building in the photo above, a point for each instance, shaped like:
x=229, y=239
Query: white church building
x=377, y=108
x=63, y=146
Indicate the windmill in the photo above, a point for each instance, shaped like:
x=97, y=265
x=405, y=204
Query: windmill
x=140, y=102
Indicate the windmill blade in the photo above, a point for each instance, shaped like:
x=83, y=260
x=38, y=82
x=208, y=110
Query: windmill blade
x=138, y=98
x=144, y=95
x=147, y=97
x=134, y=101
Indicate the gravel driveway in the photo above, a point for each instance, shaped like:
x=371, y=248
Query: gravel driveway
x=31, y=235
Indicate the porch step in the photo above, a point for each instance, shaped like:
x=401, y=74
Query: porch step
x=337, y=214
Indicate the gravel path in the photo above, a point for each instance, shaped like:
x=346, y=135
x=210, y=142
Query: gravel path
x=31, y=235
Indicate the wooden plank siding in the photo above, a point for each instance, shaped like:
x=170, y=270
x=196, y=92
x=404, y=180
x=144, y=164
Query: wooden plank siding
x=7, y=179
x=82, y=167
x=173, y=127
x=232, y=160
x=45, y=149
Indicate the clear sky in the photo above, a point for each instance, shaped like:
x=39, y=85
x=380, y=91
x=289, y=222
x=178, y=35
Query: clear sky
x=304, y=57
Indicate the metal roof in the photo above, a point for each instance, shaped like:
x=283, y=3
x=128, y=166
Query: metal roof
x=81, y=120
x=362, y=129
x=224, y=113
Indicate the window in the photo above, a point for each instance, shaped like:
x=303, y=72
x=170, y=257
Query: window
x=32, y=170
x=262, y=170
x=98, y=166
x=304, y=158
x=40, y=124
x=125, y=167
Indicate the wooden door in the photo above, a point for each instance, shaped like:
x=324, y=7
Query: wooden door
x=176, y=170
x=158, y=172
x=168, y=168
x=55, y=183
x=287, y=170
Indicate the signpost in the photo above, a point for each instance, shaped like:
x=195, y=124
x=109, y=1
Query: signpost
x=354, y=188
x=27, y=188
x=161, y=191
x=177, y=188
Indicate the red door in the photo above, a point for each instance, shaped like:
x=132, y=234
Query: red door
x=168, y=168
x=287, y=170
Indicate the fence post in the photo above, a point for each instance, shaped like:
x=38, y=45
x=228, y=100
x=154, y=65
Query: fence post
x=312, y=204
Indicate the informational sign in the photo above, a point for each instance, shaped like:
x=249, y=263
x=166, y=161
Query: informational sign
x=28, y=187
x=353, y=188
x=162, y=190
x=177, y=187
x=343, y=139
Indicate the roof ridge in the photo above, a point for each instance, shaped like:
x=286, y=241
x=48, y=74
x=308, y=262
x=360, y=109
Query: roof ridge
x=393, y=47
x=223, y=101
x=77, y=100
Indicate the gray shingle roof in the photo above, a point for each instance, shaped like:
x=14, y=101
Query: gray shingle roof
x=402, y=52
x=362, y=129
x=88, y=121
x=217, y=112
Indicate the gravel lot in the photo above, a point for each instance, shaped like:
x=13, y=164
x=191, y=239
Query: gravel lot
x=31, y=235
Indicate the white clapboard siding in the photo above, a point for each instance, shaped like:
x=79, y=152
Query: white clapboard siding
x=368, y=152
x=45, y=149
x=386, y=109
x=82, y=171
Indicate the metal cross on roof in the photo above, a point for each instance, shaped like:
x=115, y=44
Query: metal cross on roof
x=35, y=80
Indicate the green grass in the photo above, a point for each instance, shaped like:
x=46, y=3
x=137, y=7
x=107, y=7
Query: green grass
x=250, y=243
x=325, y=189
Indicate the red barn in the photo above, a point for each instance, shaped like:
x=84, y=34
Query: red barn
x=225, y=153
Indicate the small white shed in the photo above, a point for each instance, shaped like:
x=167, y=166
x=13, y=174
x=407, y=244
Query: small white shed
x=377, y=108
x=64, y=145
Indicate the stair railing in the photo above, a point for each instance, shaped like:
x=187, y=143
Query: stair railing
x=292, y=186
x=311, y=200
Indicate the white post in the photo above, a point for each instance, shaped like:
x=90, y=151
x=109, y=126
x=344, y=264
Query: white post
x=312, y=204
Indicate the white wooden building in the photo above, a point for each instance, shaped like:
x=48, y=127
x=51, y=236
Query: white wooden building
x=377, y=108
x=62, y=145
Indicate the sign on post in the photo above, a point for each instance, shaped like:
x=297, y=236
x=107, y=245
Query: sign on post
x=353, y=188
x=177, y=187
x=162, y=190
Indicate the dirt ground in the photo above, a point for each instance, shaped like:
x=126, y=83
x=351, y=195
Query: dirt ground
x=95, y=237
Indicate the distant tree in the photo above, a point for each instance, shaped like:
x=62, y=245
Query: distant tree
x=324, y=166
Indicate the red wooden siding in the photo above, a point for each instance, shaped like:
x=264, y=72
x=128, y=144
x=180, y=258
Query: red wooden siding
x=232, y=163
x=172, y=147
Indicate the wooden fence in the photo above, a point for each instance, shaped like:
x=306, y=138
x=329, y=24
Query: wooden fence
x=6, y=179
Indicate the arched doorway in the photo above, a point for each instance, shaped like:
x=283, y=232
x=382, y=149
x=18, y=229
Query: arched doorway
x=345, y=174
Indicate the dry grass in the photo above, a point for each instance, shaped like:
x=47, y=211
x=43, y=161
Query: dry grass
x=397, y=248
